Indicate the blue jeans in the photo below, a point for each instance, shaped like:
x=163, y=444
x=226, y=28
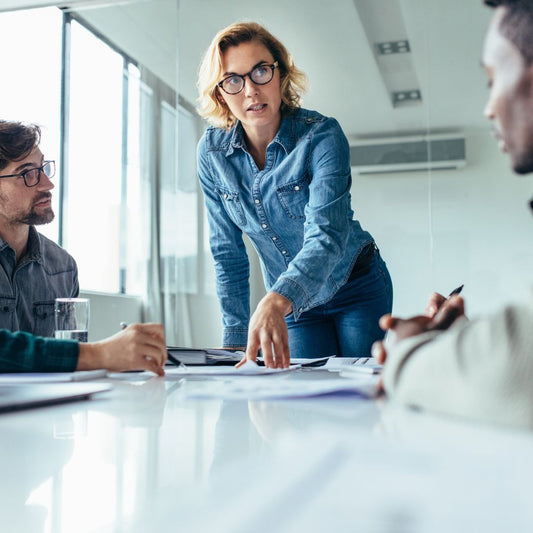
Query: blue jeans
x=347, y=325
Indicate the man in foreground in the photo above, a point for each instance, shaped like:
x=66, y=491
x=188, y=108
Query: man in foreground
x=481, y=369
x=33, y=269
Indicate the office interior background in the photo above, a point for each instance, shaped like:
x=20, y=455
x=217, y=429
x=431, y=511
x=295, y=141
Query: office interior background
x=113, y=85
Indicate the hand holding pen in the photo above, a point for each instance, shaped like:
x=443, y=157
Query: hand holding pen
x=171, y=358
x=436, y=300
x=439, y=315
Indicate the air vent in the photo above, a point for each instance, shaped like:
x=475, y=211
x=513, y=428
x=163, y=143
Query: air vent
x=408, y=154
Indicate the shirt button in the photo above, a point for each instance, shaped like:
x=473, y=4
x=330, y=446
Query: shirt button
x=284, y=252
x=264, y=226
x=257, y=201
x=300, y=310
x=274, y=238
x=226, y=196
x=297, y=188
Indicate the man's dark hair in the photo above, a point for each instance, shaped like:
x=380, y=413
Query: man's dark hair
x=517, y=24
x=17, y=140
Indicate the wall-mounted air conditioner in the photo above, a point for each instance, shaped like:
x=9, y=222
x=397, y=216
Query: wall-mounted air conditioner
x=408, y=153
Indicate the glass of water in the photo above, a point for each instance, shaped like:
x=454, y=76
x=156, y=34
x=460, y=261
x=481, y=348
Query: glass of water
x=72, y=318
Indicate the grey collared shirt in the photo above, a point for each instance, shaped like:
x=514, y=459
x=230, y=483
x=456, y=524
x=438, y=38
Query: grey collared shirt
x=28, y=288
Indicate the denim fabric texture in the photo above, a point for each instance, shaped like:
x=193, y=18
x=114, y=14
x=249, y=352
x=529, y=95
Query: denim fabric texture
x=347, y=325
x=28, y=289
x=296, y=211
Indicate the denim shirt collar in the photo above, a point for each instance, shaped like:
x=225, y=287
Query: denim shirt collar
x=33, y=250
x=284, y=137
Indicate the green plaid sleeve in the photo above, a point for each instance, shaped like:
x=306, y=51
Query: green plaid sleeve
x=23, y=352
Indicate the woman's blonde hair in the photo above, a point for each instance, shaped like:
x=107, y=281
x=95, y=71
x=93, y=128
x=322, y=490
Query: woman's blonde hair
x=293, y=80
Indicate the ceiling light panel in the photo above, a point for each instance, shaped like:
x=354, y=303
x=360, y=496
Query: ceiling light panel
x=393, y=47
x=385, y=30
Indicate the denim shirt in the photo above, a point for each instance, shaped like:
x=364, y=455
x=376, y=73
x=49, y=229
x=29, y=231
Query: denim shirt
x=28, y=289
x=296, y=211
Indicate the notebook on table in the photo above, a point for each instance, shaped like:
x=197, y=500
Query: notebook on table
x=20, y=396
x=204, y=356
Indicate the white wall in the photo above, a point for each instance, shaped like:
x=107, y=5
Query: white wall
x=476, y=230
x=109, y=310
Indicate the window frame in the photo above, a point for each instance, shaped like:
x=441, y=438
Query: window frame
x=67, y=19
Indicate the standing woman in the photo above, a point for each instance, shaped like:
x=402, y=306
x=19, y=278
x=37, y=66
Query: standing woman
x=281, y=174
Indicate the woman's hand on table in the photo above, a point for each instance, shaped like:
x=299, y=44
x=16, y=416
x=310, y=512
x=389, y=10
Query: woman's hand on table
x=268, y=332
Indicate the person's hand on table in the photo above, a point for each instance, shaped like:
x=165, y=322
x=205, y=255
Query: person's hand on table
x=448, y=311
x=268, y=331
x=137, y=347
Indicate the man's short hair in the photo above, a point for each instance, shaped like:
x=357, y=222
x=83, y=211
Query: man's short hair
x=17, y=140
x=517, y=24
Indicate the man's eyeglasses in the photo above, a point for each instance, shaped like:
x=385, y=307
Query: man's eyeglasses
x=32, y=177
x=260, y=75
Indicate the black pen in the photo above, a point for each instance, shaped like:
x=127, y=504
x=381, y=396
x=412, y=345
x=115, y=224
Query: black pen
x=170, y=357
x=456, y=291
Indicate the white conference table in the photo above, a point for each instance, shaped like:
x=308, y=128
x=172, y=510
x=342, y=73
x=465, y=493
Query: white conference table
x=146, y=457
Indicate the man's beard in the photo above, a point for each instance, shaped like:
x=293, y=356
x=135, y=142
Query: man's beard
x=36, y=219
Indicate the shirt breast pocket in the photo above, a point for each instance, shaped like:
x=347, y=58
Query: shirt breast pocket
x=293, y=198
x=7, y=305
x=43, y=318
x=233, y=205
x=43, y=310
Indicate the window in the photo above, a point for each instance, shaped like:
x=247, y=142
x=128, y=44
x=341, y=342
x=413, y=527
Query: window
x=111, y=126
x=31, y=81
x=94, y=177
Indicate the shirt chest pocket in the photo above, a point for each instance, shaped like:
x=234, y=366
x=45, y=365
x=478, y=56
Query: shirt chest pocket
x=43, y=318
x=7, y=305
x=293, y=198
x=233, y=205
x=43, y=310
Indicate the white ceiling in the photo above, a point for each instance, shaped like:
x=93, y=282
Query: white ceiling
x=328, y=41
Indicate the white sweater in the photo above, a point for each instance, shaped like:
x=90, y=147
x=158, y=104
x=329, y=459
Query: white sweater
x=480, y=369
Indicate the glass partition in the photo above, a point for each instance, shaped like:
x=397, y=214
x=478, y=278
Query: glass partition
x=391, y=71
x=396, y=72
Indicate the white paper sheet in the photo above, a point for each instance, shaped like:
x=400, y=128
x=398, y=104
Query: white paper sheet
x=247, y=370
x=268, y=389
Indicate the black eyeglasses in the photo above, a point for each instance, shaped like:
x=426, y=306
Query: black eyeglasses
x=32, y=177
x=260, y=75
